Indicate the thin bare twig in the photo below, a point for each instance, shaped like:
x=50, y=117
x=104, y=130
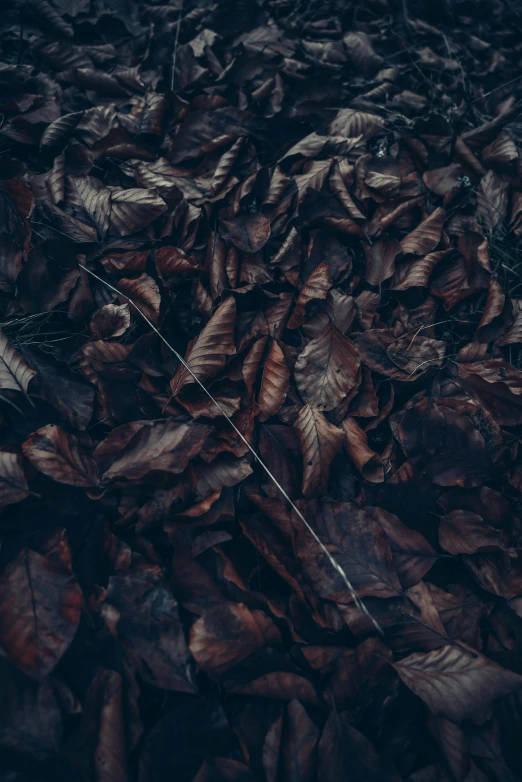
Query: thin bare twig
x=333, y=562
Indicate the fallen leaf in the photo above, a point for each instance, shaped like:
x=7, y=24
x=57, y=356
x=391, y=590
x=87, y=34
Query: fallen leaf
x=40, y=607
x=457, y=682
x=319, y=441
x=327, y=370
x=60, y=456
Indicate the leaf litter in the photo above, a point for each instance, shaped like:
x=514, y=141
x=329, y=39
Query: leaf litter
x=260, y=391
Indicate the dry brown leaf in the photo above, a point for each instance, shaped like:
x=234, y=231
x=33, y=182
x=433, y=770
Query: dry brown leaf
x=40, y=605
x=209, y=352
x=61, y=456
x=327, y=370
x=320, y=441
x=457, y=682
x=274, y=383
x=426, y=236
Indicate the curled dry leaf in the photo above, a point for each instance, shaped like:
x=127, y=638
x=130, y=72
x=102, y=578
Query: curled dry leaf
x=380, y=259
x=416, y=273
x=133, y=209
x=367, y=461
x=299, y=746
x=426, y=236
x=319, y=224
x=95, y=198
x=112, y=320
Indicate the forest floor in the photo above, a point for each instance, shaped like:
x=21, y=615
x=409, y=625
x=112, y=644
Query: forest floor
x=261, y=391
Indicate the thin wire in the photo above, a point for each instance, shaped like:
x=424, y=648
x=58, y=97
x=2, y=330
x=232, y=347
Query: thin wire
x=333, y=562
x=175, y=50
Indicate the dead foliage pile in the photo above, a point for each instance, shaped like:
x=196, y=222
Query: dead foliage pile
x=319, y=206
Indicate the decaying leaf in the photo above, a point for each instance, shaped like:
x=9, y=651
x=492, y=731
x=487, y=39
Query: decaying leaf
x=40, y=606
x=260, y=391
x=320, y=441
x=327, y=370
x=457, y=682
x=60, y=456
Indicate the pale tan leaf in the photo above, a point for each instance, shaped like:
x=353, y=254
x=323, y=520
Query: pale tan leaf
x=13, y=485
x=15, y=373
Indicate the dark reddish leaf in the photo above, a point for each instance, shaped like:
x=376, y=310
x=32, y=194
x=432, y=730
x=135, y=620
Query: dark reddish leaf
x=40, y=606
x=227, y=634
